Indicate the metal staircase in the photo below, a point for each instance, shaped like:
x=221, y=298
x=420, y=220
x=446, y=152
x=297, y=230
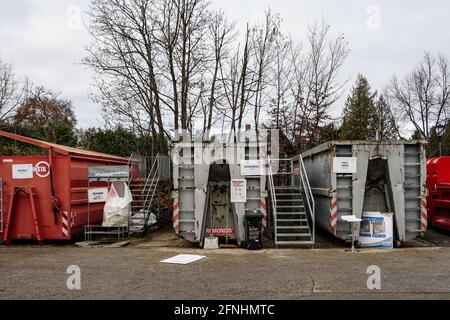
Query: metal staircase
x=292, y=203
x=145, y=193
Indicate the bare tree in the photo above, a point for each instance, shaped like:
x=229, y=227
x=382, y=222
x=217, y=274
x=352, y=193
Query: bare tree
x=222, y=33
x=237, y=80
x=122, y=59
x=165, y=65
x=263, y=52
x=423, y=96
x=316, y=85
x=281, y=75
x=149, y=61
x=11, y=92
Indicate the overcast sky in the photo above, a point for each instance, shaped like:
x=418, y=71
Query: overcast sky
x=44, y=40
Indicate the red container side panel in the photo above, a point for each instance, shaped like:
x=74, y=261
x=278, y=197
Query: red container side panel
x=69, y=182
x=438, y=184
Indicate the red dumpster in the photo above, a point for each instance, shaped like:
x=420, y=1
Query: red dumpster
x=45, y=197
x=438, y=184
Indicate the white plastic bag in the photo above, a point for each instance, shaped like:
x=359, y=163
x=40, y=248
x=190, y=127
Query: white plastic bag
x=118, y=205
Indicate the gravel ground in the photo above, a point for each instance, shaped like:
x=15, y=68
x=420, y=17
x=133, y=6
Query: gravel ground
x=135, y=272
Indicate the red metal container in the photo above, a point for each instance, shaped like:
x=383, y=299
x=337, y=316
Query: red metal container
x=438, y=184
x=46, y=197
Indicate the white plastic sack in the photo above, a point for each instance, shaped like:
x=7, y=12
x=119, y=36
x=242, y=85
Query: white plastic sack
x=118, y=205
x=152, y=219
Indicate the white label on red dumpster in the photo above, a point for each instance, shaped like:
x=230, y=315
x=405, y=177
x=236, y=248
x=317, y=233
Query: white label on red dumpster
x=344, y=165
x=97, y=195
x=22, y=171
x=219, y=231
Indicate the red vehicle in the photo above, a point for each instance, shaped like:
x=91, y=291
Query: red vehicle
x=438, y=184
x=45, y=197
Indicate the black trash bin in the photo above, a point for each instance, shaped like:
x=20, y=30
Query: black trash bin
x=253, y=231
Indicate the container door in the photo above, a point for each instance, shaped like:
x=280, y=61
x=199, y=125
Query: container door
x=220, y=220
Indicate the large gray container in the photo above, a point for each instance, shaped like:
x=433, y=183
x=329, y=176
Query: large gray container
x=352, y=177
x=202, y=197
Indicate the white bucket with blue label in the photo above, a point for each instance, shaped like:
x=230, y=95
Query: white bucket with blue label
x=376, y=230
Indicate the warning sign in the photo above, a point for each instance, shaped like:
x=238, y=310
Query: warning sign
x=238, y=190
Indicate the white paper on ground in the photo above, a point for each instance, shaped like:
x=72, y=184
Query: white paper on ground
x=183, y=259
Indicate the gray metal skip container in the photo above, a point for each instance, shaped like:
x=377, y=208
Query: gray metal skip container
x=215, y=185
x=353, y=177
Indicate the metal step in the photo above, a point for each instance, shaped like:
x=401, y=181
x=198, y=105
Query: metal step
x=292, y=220
x=284, y=213
x=291, y=227
x=292, y=207
x=293, y=235
x=294, y=243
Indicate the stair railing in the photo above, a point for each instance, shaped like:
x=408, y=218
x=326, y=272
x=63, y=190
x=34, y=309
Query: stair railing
x=305, y=187
x=272, y=195
x=151, y=184
x=130, y=166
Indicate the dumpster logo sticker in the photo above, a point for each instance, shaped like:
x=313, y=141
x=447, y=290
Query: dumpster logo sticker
x=42, y=169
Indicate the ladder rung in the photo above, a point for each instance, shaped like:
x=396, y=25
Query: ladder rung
x=292, y=220
x=412, y=175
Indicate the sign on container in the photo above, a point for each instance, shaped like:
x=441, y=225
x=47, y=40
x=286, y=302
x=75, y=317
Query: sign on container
x=344, y=165
x=97, y=195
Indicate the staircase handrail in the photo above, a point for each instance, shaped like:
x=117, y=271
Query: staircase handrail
x=272, y=194
x=309, y=195
x=154, y=174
